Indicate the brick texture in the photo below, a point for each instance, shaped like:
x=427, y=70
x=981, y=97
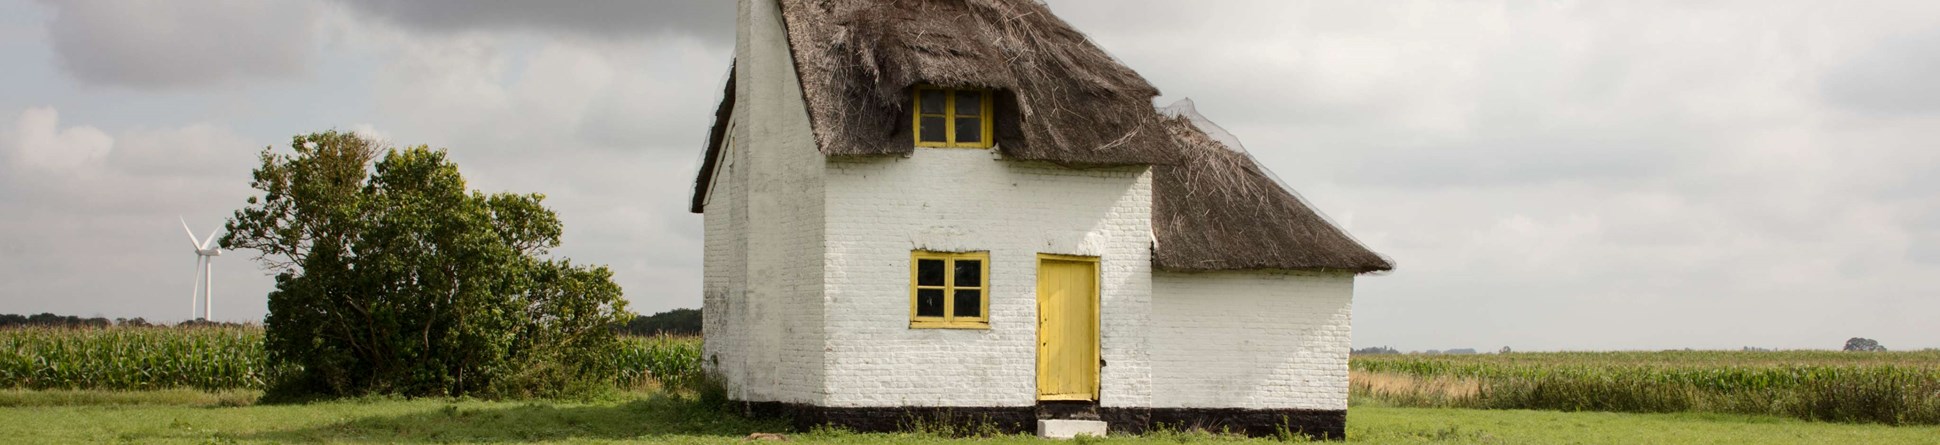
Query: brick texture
x=1258, y=340
x=880, y=209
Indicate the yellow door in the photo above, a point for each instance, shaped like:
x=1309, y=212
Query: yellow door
x=1067, y=328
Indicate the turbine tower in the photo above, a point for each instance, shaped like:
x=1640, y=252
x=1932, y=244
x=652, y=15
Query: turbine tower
x=205, y=274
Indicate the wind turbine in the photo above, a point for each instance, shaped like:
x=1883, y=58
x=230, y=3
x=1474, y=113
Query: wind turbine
x=205, y=274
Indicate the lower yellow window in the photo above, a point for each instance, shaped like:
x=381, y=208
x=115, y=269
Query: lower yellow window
x=949, y=290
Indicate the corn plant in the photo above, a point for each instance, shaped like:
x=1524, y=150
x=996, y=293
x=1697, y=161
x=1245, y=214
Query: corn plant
x=209, y=358
x=673, y=362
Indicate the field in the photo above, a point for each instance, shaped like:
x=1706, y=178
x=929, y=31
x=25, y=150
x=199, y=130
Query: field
x=202, y=385
x=232, y=358
x=1872, y=387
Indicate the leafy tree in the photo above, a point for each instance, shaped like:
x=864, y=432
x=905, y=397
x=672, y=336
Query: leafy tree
x=392, y=277
x=1863, y=344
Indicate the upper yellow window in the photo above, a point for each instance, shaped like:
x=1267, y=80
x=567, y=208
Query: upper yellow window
x=951, y=117
x=949, y=290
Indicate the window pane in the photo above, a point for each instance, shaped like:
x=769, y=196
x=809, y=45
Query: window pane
x=932, y=101
x=969, y=303
x=969, y=131
x=932, y=129
x=929, y=302
x=969, y=103
x=969, y=273
x=929, y=272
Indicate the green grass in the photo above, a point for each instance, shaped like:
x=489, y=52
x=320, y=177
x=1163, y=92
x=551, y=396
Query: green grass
x=166, y=397
x=150, y=417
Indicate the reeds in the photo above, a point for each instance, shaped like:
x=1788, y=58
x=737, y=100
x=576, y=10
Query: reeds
x=1890, y=388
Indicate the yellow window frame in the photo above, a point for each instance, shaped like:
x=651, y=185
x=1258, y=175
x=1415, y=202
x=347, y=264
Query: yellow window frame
x=949, y=116
x=950, y=320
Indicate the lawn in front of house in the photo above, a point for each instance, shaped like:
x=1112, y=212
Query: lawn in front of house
x=173, y=417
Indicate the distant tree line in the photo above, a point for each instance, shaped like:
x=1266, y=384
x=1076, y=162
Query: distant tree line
x=674, y=322
x=46, y=319
x=1374, y=351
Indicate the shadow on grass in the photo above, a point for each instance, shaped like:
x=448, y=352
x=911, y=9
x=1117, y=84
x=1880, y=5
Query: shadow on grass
x=658, y=416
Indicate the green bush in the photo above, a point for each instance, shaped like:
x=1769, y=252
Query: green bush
x=393, y=278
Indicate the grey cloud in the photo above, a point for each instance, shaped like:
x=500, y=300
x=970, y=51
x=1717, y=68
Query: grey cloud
x=1633, y=174
x=709, y=20
x=175, y=44
x=1609, y=175
x=1893, y=77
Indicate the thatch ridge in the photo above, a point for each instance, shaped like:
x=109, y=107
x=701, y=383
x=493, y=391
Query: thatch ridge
x=1060, y=98
x=1220, y=210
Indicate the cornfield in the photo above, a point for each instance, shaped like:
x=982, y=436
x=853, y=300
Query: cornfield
x=208, y=358
x=673, y=362
x=221, y=358
x=1891, y=388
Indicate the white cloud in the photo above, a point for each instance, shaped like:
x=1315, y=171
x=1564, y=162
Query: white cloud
x=40, y=145
x=90, y=226
x=607, y=129
x=200, y=149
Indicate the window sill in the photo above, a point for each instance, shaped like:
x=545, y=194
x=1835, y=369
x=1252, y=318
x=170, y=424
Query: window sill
x=979, y=325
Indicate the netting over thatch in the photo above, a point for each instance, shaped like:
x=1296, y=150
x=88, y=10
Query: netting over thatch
x=1219, y=210
x=1059, y=97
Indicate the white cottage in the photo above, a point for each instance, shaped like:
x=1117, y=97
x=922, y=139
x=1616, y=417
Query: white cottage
x=964, y=208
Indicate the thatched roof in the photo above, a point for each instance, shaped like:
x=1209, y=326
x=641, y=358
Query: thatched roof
x=1059, y=97
x=714, y=137
x=1219, y=210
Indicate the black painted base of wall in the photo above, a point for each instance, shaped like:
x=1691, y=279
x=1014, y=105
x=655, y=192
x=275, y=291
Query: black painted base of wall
x=1317, y=424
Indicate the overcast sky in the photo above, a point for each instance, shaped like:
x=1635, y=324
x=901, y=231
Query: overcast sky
x=1546, y=175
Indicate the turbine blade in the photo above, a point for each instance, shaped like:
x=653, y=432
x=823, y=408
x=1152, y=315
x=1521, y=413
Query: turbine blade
x=212, y=238
x=191, y=233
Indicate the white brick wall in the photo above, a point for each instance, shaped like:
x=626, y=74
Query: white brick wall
x=763, y=277
x=1251, y=339
x=724, y=281
x=879, y=209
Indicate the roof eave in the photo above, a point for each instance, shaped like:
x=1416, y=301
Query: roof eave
x=715, y=135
